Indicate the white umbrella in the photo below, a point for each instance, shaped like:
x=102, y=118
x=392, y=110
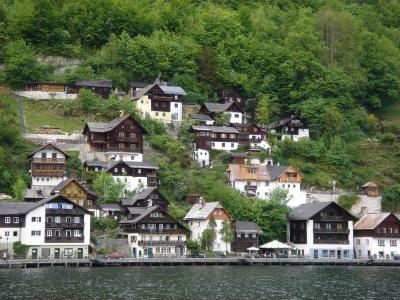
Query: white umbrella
x=252, y=249
x=275, y=245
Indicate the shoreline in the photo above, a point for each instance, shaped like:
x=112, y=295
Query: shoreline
x=126, y=262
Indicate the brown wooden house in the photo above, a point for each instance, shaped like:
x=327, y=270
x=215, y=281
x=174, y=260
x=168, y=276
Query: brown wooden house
x=123, y=134
x=235, y=96
x=145, y=198
x=101, y=88
x=246, y=235
x=216, y=137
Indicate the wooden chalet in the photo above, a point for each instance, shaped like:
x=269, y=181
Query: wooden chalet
x=49, y=87
x=246, y=235
x=250, y=134
x=207, y=136
x=123, y=134
x=370, y=189
x=144, y=198
x=234, y=96
x=292, y=126
x=211, y=109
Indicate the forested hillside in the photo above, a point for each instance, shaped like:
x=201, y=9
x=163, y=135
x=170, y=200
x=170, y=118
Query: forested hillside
x=334, y=63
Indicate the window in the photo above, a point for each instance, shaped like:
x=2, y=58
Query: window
x=391, y=230
x=346, y=253
x=44, y=154
x=232, y=145
x=383, y=230
x=139, y=171
x=367, y=242
x=163, y=114
x=236, y=115
x=396, y=230
x=68, y=220
x=324, y=253
x=160, y=226
x=381, y=242
x=393, y=243
x=57, y=233
x=121, y=145
x=68, y=252
x=156, y=113
x=358, y=241
x=176, y=105
x=317, y=225
x=49, y=232
x=378, y=230
x=35, y=233
x=77, y=220
x=16, y=220
x=331, y=253
x=223, y=145
x=68, y=233
x=152, y=226
x=57, y=220
x=121, y=134
x=54, y=155
x=7, y=220
x=80, y=202
x=77, y=233
x=7, y=233
x=15, y=233
x=90, y=202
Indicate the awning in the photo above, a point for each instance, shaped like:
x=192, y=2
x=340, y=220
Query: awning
x=275, y=245
x=252, y=249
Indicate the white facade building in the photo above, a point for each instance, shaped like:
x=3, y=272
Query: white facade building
x=377, y=236
x=303, y=133
x=322, y=230
x=46, y=227
x=202, y=156
x=261, y=180
x=199, y=217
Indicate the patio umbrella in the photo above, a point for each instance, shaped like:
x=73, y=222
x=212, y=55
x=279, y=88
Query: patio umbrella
x=252, y=249
x=275, y=245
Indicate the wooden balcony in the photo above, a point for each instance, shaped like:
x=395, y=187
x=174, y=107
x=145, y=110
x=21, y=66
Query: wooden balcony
x=48, y=173
x=331, y=230
x=250, y=187
x=59, y=211
x=64, y=239
x=64, y=225
x=128, y=139
x=153, y=231
x=49, y=160
x=162, y=243
x=341, y=242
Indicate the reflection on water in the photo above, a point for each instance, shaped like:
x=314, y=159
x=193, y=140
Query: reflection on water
x=201, y=282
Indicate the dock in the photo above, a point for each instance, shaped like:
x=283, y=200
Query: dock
x=183, y=261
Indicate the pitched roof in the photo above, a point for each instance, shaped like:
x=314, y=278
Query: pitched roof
x=201, y=211
x=284, y=121
x=145, y=212
x=172, y=90
x=245, y=226
x=65, y=182
x=371, y=220
x=110, y=207
x=220, y=107
x=308, y=210
x=138, y=84
x=134, y=165
x=141, y=195
x=106, y=127
x=45, y=145
x=262, y=173
x=370, y=183
x=137, y=210
x=97, y=163
x=96, y=83
x=201, y=117
x=38, y=191
x=220, y=129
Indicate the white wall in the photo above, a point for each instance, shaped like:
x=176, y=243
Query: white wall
x=40, y=95
x=303, y=134
x=202, y=157
x=128, y=156
x=51, y=181
x=26, y=235
x=364, y=244
x=228, y=146
x=238, y=119
x=177, y=111
x=132, y=183
x=49, y=153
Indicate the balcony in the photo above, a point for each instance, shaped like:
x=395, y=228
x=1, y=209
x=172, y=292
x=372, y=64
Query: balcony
x=342, y=242
x=64, y=225
x=64, y=239
x=127, y=139
x=125, y=149
x=162, y=243
x=332, y=218
x=331, y=230
x=49, y=160
x=48, y=173
x=250, y=187
x=59, y=211
x=154, y=231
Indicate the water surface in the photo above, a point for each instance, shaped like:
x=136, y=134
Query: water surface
x=202, y=282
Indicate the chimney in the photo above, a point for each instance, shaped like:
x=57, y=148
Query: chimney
x=201, y=201
x=121, y=113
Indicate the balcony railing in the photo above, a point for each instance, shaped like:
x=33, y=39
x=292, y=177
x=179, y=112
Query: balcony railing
x=153, y=231
x=125, y=149
x=127, y=139
x=331, y=218
x=49, y=160
x=50, y=173
x=250, y=187
x=162, y=243
x=344, y=242
x=331, y=230
x=59, y=211
x=64, y=225
x=64, y=239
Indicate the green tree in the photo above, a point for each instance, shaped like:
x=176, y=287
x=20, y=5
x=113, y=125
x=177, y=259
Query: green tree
x=347, y=201
x=279, y=195
x=108, y=189
x=226, y=233
x=209, y=235
x=222, y=119
x=19, y=189
x=391, y=199
x=263, y=112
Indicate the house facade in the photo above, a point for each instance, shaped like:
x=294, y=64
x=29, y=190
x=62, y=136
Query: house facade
x=122, y=138
x=246, y=235
x=234, y=96
x=252, y=137
x=101, y=88
x=322, y=230
x=260, y=180
x=160, y=102
x=293, y=128
x=144, y=198
x=54, y=227
x=377, y=236
x=152, y=232
x=199, y=217
x=235, y=112
x=48, y=165
x=215, y=137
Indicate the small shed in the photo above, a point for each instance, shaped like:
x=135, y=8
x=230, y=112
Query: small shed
x=371, y=189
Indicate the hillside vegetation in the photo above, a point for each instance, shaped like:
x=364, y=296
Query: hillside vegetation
x=334, y=63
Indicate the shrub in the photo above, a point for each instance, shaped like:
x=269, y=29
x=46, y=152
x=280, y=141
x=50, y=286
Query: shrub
x=20, y=249
x=388, y=138
x=347, y=201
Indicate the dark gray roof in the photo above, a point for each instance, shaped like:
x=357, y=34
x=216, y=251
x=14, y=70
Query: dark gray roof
x=307, y=211
x=221, y=129
x=15, y=208
x=38, y=192
x=138, y=84
x=145, y=212
x=276, y=171
x=96, y=83
x=97, y=163
x=172, y=90
x=217, y=107
x=110, y=207
x=141, y=195
x=248, y=227
x=105, y=127
x=134, y=165
x=137, y=210
x=201, y=117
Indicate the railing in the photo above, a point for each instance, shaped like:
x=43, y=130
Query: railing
x=64, y=239
x=125, y=149
x=162, y=243
x=250, y=187
x=331, y=218
x=153, y=231
x=127, y=139
x=49, y=160
x=59, y=211
x=344, y=242
x=331, y=230
x=50, y=173
x=64, y=225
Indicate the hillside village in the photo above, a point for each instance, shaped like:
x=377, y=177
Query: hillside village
x=61, y=216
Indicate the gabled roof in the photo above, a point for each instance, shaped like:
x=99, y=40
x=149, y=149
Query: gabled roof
x=284, y=121
x=106, y=127
x=38, y=192
x=97, y=163
x=228, y=92
x=220, y=107
x=110, y=207
x=172, y=90
x=308, y=210
x=137, y=210
x=201, y=211
x=245, y=226
x=372, y=220
x=262, y=173
x=96, y=83
x=134, y=165
x=368, y=184
x=138, y=84
x=66, y=182
x=46, y=145
x=141, y=195
x=25, y=207
x=219, y=129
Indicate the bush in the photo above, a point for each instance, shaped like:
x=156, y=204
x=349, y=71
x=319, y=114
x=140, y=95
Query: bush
x=388, y=138
x=391, y=199
x=20, y=249
x=347, y=201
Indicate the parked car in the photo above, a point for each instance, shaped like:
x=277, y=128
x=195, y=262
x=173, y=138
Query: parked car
x=114, y=255
x=198, y=255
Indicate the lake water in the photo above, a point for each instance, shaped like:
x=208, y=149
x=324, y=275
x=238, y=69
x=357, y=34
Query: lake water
x=202, y=282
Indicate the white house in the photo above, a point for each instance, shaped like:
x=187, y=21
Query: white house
x=376, y=235
x=199, y=217
x=216, y=137
x=235, y=112
x=48, y=165
x=260, y=180
x=293, y=128
x=54, y=227
x=202, y=156
x=321, y=230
